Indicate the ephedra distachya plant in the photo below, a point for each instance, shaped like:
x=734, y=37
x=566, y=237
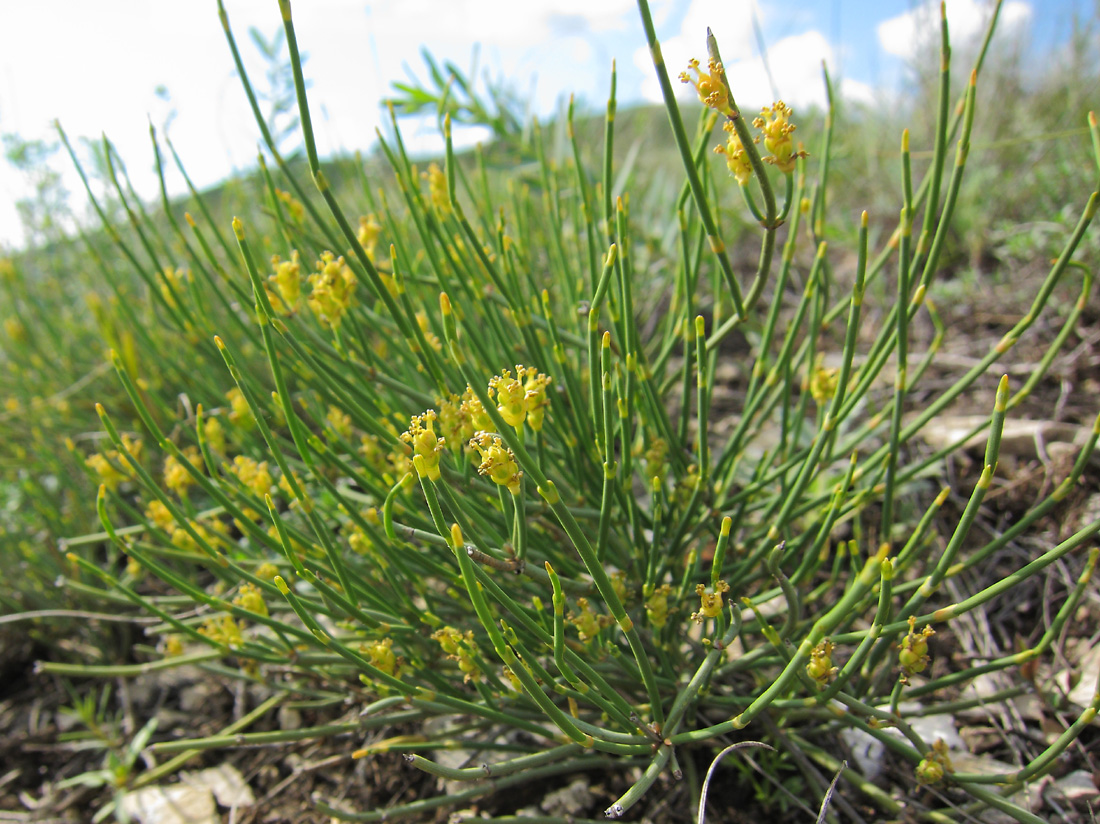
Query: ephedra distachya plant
x=456, y=451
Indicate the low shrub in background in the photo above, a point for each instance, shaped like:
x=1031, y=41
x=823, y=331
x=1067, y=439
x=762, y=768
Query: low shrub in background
x=462, y=452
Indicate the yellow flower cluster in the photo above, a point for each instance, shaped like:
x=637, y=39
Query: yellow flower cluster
x=333, y=290
x=340, y=421
x=249, y=597
x=775, y=123
x=656, y=608
x=710, y=601
x=535, y=385
x=820, y=668
x=460, y=648
x=287, y=489
x=437, y=188
x=737, y=159
x=284, y=288
x=293, y=206
x=159, y=515
x=111, y=468
x=618, y=583
x=397, y=465
x=181, y=538
x=176, y=476
x=587, y=622
x=370, y=448
x=222, y=629
x=522, y=397
x=513, y=679
x=214, y=434
x=460, y=418
x=252, y=474
x=362, y=544
x=656, y=459
x=15, y=330
x=935, y=764
x=427, y=446
x=381, y=655
x=239, y=413
x=823, y=384
x=369, y=232
x=913, y=655
x=173, y=282
x=509, y=397
x=710, y=84
x=426, y=327
x=497, y=461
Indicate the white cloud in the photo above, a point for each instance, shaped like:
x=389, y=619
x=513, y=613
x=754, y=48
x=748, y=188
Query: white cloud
x=795, y=64
x=504, y=23
x=856, y=91
x=107, y=59
x=908, y=34
x=795, y=61
x=729, y=20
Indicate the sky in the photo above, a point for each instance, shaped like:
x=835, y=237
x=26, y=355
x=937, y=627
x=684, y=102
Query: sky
x=115, y=66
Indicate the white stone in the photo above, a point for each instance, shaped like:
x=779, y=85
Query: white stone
x=178, y=804
x=225, y=782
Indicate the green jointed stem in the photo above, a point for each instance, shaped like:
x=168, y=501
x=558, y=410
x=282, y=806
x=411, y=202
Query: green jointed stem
x=933, y=580
x=610, y=466
x=902, y=347
x=603, y=694
x=1020, y=658
x=688, y=695
x=1075, y=541
x=548, y=490
x=608, y=154
x=416, y=808
x=790, y=594
x=639, y=788
x=998, y=802
x=147, y=480
x=261, y=122
x=269, y=737
x=299, y=494
x=488, y=622
x=820, y=630
x=702, y=400
x=825, y=436
x=684, y=147
x=852, y=666
x=584, y=201
x=939, y=158
x=818, y=207
x=514, y=765
x=125, y=670
x=319, y=179
x=720, y=551
x=173, y=765
x=559, y=630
